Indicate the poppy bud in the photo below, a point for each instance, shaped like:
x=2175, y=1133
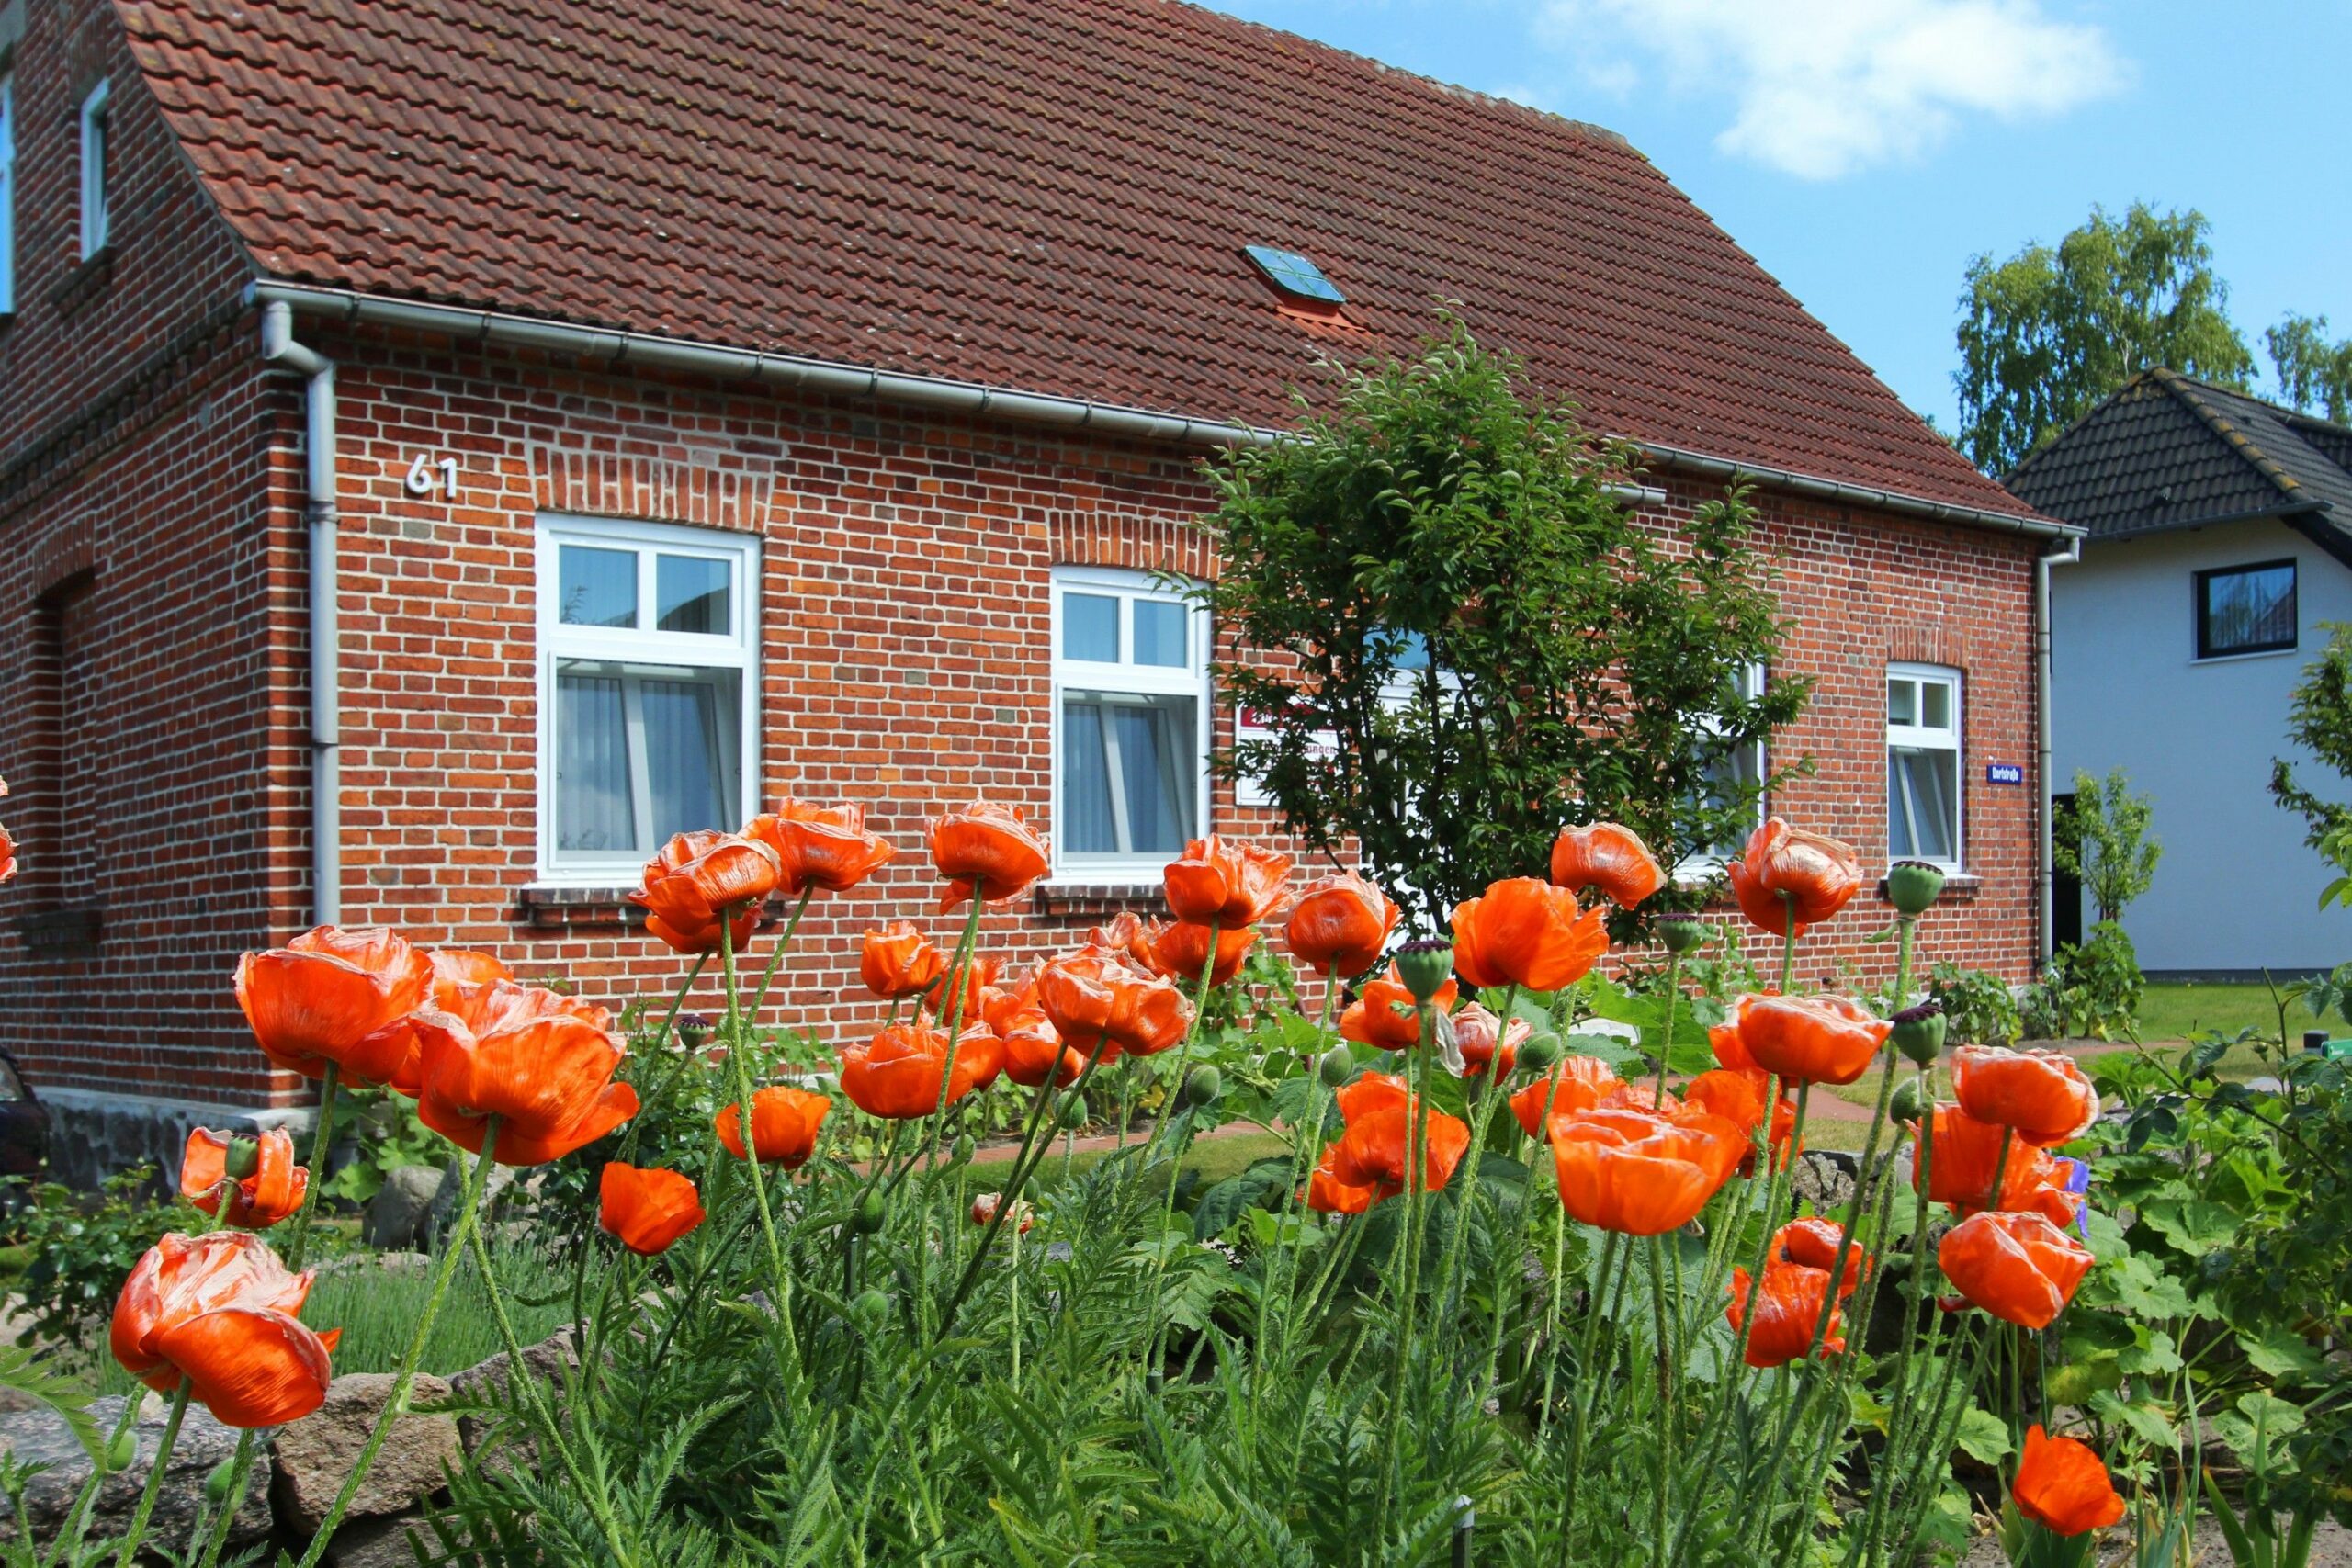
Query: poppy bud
x=1337, y=1065
x=870, y=1213
x=1912, y=885
x=216, y=1486
x=1203, y=1085
x=242, y=1158
x=1909, y=1104
x=870, y=1307
x=1425, y=966
x=695, y=1031
x=1540, y=1052
x=1919, y=1032
x=1681, y=936
x=1073, y=1110
x=122, y=1452
x=961, y=1153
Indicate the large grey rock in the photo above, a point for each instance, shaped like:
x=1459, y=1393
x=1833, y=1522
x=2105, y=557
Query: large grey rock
x=1824, y=1182
x=452, y=1185
x=547, y=1361
x=315, y=1455
x=37, y=1436
x=400, y=1214
x=378, y=1543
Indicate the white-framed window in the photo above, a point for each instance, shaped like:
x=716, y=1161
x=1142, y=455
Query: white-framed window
x=1923, y=763
x=649, y=638
x=1130, y=724
x=1742, y=767
x=95, y=134
x=7, y=194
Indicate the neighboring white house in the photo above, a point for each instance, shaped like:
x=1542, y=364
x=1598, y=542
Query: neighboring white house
x=2219, y=549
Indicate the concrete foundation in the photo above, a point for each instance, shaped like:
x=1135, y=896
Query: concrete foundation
x=94, y=1134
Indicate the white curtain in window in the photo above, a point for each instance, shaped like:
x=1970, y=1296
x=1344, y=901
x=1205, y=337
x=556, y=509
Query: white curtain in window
x=681, y=758
x=1158, y=818
x=1087, y=826
x=1921, y=791
x=591, y=804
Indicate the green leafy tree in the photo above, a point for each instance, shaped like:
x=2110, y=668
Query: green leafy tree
x=2102, y=842
x=2319, y=719
x=1460, y=639
x=2315, y=374
x=2047, y=334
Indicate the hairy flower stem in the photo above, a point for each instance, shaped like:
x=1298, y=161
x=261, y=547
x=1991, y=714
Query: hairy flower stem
x=1410, y=1277
x=77, y=1519
x=1489, y=1093
x=131, y=1542
x=1516, y=1256
x=469, y=1205
x=1305, y=1152
x=1666, y=1047
x=776, y=955
x=1588, y=1376
x=1668, y=1432
x=660, y=1096
x=739, y=1063
x=1184, y=1060
x=1788, y=943
x=1922, y=1153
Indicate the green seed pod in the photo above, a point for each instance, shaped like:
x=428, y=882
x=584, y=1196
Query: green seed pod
x=963, y=1149
x=870, y=1214
x=124, y=1451
x=1425, y=967
x=870, y=1308
x=1073, y=1110
x=1912, y=885
x=216, y=1486
x=1203, y=1085
x=1909, y=1104
x=1337, y=1065
x=1540, y=1052
x=242, y=1158
x=1919, y=1032
x=1681, y=936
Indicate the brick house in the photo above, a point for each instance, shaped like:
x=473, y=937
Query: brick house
x=419, y=415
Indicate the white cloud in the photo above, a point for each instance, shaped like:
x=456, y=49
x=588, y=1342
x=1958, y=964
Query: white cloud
x=1820, y=88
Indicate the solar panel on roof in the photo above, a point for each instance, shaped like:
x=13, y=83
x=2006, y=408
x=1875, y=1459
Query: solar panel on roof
x=1295, y=275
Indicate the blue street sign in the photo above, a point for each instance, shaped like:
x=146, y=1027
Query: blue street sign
x=2004, y=773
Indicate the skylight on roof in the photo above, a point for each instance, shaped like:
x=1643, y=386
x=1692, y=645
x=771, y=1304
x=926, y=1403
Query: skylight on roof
x=1295, y=276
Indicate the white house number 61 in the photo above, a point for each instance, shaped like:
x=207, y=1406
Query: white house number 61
x=423, y=480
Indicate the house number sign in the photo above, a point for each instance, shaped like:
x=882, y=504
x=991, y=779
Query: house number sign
x=424, y=479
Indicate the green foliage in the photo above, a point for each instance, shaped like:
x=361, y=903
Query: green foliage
x=83, y=1245
x=2102, y=842
x=2087, y=992
x=2047, y=334
x=377, y=1132
x=2314, y=374
x=1435, y=574
x=1979, y=1005
x=2319, y=719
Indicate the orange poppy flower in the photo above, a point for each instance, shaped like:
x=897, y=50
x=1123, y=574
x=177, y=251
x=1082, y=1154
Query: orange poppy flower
x=336, y=996
x=979, y=976
x=2041, y=1094
x=1522, y=931
x=986, y=848
x=1738, y=1096
x=1375, y=1151
x=1373, y=1018
x=985, y=1207
x=2019, y=1268
x=1585, y=1082
x=1788, y=871
x=1232, y=885
x=1787, y=1303
x=454, y=968
x=648, y=1209
x=219, y=1310
x=1180, y=949
x=1813, y=1243
x=1607, y=856
x=1830, y=1040
x=896, y=1075
x=8, y=845
x=898, y=961
x=784, y=1123
x=819, y=846
x=1963, y=1154
x=541, y=1062
x=1089, y=993
x=1637, y=1172
x=1325, y=1193
x=2062, y=1487
x=1481, y=1036
x=274, y=1188
x=694, y=879
x=1032, y=1048
x=1339, y=925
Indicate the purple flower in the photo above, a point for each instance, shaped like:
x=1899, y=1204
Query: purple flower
x=2078, y=1181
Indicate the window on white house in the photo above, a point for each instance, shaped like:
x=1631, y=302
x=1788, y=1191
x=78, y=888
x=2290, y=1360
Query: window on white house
x=1742, y=767
x=7, y=195
x=1131, y=722
x=647, y=663
x=2246, y=609
x=95, y=193
x=1923, y=763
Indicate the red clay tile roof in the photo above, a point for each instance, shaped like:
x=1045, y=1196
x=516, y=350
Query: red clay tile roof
x=1048, y=195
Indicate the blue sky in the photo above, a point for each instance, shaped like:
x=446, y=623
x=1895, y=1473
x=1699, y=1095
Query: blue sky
x=1863, y=149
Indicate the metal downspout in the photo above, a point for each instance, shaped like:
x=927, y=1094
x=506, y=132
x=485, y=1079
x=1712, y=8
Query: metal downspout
x=278, y=347
x=2045, y=873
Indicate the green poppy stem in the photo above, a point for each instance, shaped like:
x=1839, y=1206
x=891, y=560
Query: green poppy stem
x=131, y=1542
x=1673, y=995
x=739, y=1063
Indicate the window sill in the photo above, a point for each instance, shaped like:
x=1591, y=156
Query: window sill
x=560, y=905
x=1961, y=887
x=1106, y=897
x=62, y=931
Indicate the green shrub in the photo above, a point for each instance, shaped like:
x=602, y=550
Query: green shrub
x=2087, y=992
x=83, y=1246
x=1979, y=1005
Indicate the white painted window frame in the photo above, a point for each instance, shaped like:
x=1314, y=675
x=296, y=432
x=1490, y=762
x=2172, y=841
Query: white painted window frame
x=7, y=193
x=737, y=650
x=1126, y=679
x=1951, y=738
x=1704, y=865
x=98, y=216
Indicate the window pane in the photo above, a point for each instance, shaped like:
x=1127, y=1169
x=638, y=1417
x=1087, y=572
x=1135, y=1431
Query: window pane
x=1412, y=651
x=592, y=784
x=688, y=725
x=1160, y=634
x=598, y=588
x=691, y=594
x=2249, y=610
x=1157, y=771
x=1923, y=797
x=1087, y=828
x=1935, y=704
x=1902, y=703
x=1091, y=627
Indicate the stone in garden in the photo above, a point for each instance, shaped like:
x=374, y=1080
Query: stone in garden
x=453, y=1187
x=1823, y=1179
x=401, y=1213
x=315, y=1455
x=379, y=1543
x=546, y=1361
x=389, y=1262
x=37, y=1436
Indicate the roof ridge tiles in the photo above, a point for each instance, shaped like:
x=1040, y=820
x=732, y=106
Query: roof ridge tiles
x=2191, y=392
